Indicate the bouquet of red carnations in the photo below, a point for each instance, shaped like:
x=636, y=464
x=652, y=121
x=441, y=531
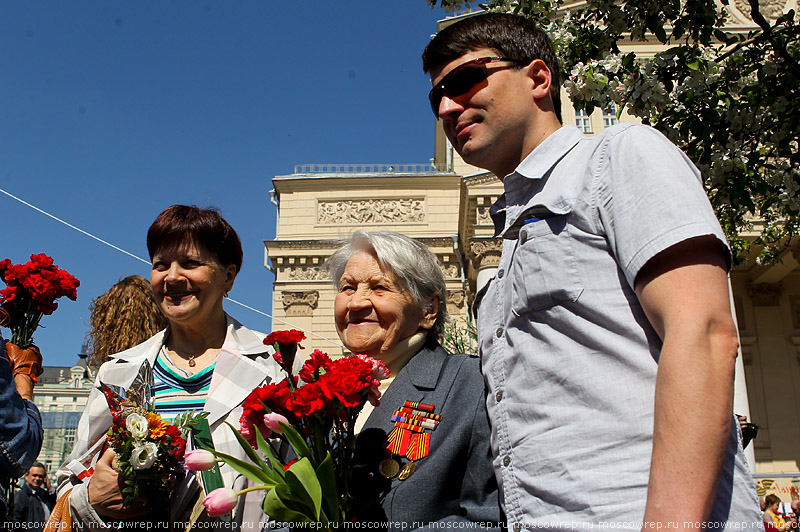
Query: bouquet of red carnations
x=30, y=293
x=316, y=414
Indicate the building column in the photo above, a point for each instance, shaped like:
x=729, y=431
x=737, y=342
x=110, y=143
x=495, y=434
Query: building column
x=775, y=352
x=299, y=306
x=485, y=257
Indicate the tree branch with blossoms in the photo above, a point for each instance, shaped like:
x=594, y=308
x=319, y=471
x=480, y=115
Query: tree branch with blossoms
x=727, y=98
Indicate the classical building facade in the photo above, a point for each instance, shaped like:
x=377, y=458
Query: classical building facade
x=446, y=206
x=61, y=397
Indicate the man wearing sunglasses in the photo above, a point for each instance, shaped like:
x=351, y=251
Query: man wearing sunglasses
x=606, y=336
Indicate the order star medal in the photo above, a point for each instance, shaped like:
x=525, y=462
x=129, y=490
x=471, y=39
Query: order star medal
x=409, y=438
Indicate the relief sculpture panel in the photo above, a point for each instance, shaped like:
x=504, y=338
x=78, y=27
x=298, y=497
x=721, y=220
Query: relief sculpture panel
x=370, y=211
x=771, y=9
x=307, y=273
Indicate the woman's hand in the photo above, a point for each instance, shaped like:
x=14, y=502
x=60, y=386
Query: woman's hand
x=105, y=491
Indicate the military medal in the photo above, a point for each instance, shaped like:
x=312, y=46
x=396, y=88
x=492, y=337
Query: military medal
x=407, y=471
x=409, y=438
x=388, y=468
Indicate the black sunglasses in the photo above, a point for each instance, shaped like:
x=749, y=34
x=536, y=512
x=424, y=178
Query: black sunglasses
x=462, y=78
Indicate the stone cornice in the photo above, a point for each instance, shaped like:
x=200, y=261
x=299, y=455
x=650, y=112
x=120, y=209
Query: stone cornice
x=480, y=179
x=331, y=244
x=302, y=244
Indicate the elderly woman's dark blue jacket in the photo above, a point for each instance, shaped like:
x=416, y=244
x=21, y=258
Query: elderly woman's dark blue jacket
x=455, y=482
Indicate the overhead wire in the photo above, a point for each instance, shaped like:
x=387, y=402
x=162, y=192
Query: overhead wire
x=86, y=233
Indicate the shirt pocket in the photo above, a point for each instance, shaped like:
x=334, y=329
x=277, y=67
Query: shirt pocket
x=544, y=272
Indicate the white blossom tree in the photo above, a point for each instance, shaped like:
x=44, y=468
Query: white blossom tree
x=729, y=98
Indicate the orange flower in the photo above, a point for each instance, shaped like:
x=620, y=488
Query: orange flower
x=156, y=425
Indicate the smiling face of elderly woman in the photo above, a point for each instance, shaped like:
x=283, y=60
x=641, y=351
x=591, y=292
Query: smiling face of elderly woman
x=373, y=311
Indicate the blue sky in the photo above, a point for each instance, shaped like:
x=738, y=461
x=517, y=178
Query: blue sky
x=111, y=111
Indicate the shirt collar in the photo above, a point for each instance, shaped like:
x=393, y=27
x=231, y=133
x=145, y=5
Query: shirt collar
x=527, y=180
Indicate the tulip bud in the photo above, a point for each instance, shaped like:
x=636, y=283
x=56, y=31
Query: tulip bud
x=199, y=460
x=220, y=501
x=273, y=420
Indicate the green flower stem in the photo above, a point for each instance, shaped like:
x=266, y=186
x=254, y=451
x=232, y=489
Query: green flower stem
x=265, y=487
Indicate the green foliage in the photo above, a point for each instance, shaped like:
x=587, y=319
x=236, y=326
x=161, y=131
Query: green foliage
x=461, y=337
x=188, y=419
x=728, y=99
x=303, y=492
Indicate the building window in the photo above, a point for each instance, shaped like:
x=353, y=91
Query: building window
x=610, y=116
x=69, y=436
x=582, y=121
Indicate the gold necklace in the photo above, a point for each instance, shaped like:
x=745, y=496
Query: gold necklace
x=191, y=360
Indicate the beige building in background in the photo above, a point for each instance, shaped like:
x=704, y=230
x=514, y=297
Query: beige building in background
x=61, y=396
x=445, y=205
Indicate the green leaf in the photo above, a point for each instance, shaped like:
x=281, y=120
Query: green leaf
x=327, y=481
x=302, y=480
x=248, y=449
x=301, y=448
x=247, y=469
x=266, y=450
x=275, y=507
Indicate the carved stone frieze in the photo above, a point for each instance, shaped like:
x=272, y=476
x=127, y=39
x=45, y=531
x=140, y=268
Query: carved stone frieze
x=485, y=253
x=300, y=302
x=456, y=298
x=764, y=294
x=370, y=211
x=482, y=204
x=307, y=273
x=771, y=9
x=450, y=271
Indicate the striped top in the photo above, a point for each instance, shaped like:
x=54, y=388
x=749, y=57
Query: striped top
x=177, y=391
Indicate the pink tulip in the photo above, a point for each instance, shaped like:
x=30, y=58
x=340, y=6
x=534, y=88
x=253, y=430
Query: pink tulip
x=273, y=420
x=220, y=501
x=199, y=460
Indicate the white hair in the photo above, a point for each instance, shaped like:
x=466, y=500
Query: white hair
x=415, y=266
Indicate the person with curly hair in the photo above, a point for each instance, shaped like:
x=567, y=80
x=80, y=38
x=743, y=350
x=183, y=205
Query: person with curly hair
x=125, y=316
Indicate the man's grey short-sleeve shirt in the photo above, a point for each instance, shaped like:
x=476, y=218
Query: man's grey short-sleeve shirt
x=568, y=354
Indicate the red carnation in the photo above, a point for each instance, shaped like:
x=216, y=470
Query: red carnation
x=270, y=396
x=31, y=291
x=308, y=400
x=41, y=261
x=348, y=380
x=292, y=336
x=286, y=343
x=316, y=364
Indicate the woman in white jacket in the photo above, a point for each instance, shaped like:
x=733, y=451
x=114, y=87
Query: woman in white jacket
x=204, y=360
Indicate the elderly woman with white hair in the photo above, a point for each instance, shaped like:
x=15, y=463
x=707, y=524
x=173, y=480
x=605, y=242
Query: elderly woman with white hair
x=423, y=455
